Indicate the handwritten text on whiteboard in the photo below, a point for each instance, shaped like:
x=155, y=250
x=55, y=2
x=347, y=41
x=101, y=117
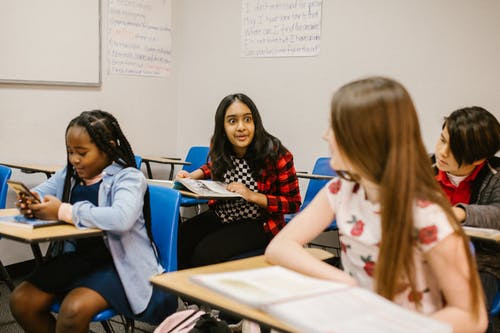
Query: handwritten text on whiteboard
x=280, y=28
x=139, y=37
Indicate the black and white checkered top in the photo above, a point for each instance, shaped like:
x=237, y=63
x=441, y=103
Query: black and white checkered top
x=238, y=209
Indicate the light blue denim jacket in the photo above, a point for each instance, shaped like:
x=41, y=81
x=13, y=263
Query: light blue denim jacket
x=119, y=214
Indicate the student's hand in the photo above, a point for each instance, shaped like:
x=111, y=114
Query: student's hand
x=24, y=204
x=241, y=189
x=48, y=209
x=183, y=174
x=459, y=213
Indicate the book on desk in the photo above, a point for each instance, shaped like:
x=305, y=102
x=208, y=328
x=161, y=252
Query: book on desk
x=24, y=222
x=315, y=305
x=205, y=188
x=483, y=233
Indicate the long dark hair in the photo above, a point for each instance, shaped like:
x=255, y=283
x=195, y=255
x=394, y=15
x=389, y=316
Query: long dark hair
x=263, y=149
x=103, y=129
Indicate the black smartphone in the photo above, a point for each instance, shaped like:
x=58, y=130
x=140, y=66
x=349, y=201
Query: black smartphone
x=20, y=188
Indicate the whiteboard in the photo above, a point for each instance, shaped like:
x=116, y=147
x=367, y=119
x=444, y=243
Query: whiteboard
x=50, y=42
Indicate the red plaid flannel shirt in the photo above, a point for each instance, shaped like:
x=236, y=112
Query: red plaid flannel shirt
x=280, y=185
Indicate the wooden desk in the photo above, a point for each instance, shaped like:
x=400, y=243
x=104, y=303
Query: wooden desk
x=180, y=283
x=313, y=176
x=48, y=170
x=203, y=196
x=163, y=160
x=42, y=234
x=161, y=182
x=482, y=233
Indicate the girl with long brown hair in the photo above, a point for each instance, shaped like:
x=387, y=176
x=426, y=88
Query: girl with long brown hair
x=397, y=231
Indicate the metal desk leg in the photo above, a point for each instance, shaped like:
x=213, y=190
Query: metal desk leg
x=37, y=253
x=4, y=275
x=171, y=172
x=148, y=168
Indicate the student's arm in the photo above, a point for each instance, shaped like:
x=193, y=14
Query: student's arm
x=286, y=248
x=49, y=193
x=484, y=216
x=287, y=199
x=257, y=198
x=196, y=174
x=448, y=262
x=51, y=185
x=127, y=194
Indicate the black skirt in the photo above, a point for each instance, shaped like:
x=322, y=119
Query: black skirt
x=72, y=270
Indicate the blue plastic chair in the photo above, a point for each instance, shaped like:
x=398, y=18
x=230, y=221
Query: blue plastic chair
x=165, y=212
x=321, y=167
x=5, y=173
x=138, y=161
x=197, y=156
x=495, y=307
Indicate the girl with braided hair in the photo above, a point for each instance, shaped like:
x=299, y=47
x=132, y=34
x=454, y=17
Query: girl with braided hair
x=99, y=188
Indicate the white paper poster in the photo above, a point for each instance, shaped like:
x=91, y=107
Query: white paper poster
x=139, y=37
x=280, y=28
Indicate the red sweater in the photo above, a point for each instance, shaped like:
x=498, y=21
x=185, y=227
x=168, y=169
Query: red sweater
x=280, y=185
x=462, y=192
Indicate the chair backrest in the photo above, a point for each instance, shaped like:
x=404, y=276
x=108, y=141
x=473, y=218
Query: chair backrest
x=197, y=155
x=321, y=167
x=138, y=161
x=165, y=212
x=5, y=173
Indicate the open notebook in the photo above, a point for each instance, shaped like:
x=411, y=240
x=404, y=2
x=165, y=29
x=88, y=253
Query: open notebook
x=315, y=305
x=205, y=188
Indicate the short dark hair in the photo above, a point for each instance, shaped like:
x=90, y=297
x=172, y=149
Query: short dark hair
x=474, y=134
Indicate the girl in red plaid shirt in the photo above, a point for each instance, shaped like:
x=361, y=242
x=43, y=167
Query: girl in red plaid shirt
x=252, y=163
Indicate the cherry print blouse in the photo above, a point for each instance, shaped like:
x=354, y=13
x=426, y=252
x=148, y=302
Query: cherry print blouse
x=358, y=221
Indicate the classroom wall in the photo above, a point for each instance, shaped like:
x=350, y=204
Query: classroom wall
x=445, y=52
x=34, y=118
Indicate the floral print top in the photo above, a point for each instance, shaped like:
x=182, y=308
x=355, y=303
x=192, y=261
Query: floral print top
x=360, y=233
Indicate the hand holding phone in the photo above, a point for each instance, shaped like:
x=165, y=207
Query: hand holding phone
x=26, y=198
x=22, y=192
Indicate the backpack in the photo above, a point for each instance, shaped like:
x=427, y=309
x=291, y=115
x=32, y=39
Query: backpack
x=194, y=321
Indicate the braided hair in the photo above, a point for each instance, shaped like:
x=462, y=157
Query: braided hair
x=103, y=129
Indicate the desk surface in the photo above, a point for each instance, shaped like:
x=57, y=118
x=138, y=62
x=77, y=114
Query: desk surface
x=164, y=160
x=34, y=167
x=312, y=176
x=180, y=283
x=43, y=234
x=482, y=233
x=205, y=196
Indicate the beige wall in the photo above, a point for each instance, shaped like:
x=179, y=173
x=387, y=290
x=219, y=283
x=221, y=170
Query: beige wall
x=34, y=118
x=446, y=52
